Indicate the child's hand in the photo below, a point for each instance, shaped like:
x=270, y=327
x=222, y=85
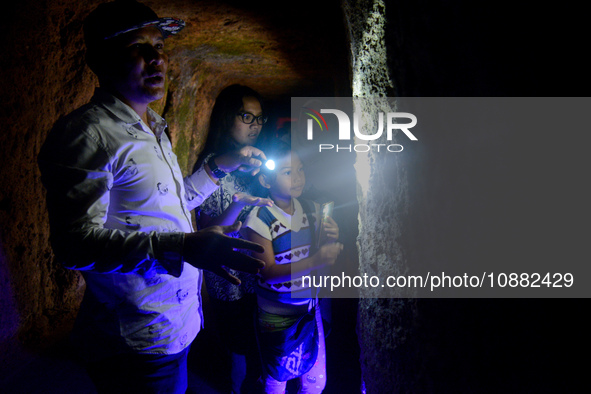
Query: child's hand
x=331, y=229
x=327, y=254
x=247, y=199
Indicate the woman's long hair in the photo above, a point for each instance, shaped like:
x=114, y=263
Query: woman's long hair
x=223, y=115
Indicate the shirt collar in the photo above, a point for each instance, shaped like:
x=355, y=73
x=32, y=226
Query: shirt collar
x=297, y=210
x=125, y=114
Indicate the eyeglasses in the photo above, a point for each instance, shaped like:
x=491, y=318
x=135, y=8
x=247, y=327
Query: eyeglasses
x=249, y=118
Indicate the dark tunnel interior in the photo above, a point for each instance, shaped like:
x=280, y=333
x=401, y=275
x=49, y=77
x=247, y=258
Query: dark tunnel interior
x=303, y=49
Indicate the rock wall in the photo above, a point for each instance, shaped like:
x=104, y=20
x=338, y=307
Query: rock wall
x=385, y=325
x=44, y=77
x=470, y=198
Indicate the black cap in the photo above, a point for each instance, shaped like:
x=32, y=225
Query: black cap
x=111, y=19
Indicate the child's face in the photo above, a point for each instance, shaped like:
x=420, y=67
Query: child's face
x=246, y=134
x=290, y=179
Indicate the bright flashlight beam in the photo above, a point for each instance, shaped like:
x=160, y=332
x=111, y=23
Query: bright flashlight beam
x=270, y=164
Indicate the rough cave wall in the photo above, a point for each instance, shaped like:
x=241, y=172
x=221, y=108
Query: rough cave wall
x=385, y=329
x=44, y=77
x=475, y=198
x=419, y=205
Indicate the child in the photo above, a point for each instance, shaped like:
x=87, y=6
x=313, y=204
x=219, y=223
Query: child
x=286, y=230
x=237, y=118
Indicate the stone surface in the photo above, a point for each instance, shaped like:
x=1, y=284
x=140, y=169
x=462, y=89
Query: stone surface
x=385, y=325
x=44, y=77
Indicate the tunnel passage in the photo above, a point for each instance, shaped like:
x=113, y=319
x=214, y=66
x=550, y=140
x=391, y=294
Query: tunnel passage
x=280, y=51
x=302, y=49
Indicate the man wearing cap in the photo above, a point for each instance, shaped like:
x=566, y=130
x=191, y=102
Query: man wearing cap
x=119, y=211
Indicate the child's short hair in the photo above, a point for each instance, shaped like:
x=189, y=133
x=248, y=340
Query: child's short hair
x=275, y=149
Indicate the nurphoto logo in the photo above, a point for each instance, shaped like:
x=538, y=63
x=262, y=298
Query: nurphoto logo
x=318, y=122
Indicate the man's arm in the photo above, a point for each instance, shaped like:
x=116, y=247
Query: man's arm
x=76, y=171
x=198, y=186
x=203, y=182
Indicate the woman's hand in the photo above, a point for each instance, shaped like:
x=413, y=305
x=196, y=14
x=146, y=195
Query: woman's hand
x=245, y=159
x=246, y=199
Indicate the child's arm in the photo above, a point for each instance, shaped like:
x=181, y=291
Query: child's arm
x=278, y=273
x=230, y=214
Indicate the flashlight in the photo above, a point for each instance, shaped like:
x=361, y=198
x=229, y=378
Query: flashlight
x=270, y=164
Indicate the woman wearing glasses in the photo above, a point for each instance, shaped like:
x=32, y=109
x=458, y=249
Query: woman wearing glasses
x=236, y=121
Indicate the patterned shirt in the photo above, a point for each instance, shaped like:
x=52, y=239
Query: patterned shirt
x=291, y=237
x=119, y=208
x=214, y=206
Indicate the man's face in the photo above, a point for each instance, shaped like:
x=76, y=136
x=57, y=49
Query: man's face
x=137, y=67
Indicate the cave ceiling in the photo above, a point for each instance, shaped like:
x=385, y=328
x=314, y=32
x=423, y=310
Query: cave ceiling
x=277, y=48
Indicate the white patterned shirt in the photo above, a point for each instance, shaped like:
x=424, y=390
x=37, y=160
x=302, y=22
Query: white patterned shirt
x=119, y=208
